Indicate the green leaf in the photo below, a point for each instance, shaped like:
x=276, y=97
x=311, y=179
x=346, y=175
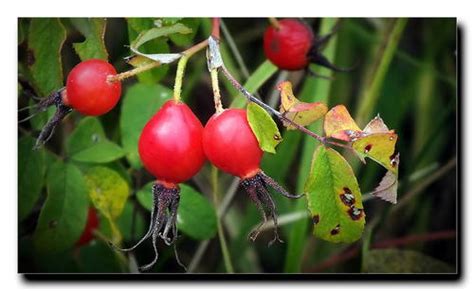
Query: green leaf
x=64, y=213
x=94, y=30
x=139, y=104
x=135, y=27
x=31, y=171
x=45, y=40
x=264, y=72
x=88, y=143
x=404, y=261
x=154, y=33
x=196, y=215
x=108, y=192
x=186, y=39
x=334, y=198
x=264, y=128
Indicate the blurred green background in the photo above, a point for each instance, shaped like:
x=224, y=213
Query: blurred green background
x=406, y=72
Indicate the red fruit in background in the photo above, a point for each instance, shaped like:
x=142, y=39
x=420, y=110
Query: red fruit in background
x=87, y=88
x=230, y=144
x=170, y=145
x=91, y=224
x=288, y=46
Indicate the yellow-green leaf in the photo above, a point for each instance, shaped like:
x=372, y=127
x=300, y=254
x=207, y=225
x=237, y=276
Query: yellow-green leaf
x=299, y=112
x=379, y=147
x=334, y=198
x=94, y=30
x=339, y=124
x=264, y=128
x=108, y=192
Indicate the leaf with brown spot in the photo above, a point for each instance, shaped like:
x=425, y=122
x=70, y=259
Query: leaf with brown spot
x=339, y=124
x=330, y=177
x=299, y=112
x=379, y=147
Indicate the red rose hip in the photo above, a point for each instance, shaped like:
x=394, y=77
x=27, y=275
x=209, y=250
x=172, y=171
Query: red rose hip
x=170, y=145
x=230, y=144
x=88, y=90
x=287, y=45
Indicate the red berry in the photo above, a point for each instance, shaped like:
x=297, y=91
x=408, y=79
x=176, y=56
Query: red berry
x=91, y=224
x=87, y=88
x=288, y=45
x=170, y=145
x=230, y=144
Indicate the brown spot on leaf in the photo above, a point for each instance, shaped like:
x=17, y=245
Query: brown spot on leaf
x=367, y=148
x=315, y=219
x=355, y=213
x=336, y=230
x=347, y=199
x=276, y=137
x=30, y=57
x=347, y=190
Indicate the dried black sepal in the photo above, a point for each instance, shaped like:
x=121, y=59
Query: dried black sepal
x=162, y=223
x=256, y=188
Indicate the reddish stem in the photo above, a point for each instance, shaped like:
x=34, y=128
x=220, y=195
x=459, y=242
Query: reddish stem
x=216, y=28
x=354, y=250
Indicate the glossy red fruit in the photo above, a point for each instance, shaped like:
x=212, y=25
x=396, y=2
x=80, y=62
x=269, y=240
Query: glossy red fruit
x=170, y=145
x=288, y=45
x=91, y=224
x=230, y=144
x=87, y=88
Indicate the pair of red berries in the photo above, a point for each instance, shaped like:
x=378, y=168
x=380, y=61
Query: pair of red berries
x=173, y=147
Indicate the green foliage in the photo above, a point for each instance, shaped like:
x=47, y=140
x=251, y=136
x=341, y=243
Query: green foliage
x=45, y=40
x=196, y=215
x=93, y=30
x=134, y=115
x=31, y=171
x=334, y=198
x=64, y=214
x=264, y=128
x=88, y=143
x=135, y=27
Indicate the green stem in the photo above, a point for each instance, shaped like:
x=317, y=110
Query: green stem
x=220, y=231
x=179, y=78
x=386, y=52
